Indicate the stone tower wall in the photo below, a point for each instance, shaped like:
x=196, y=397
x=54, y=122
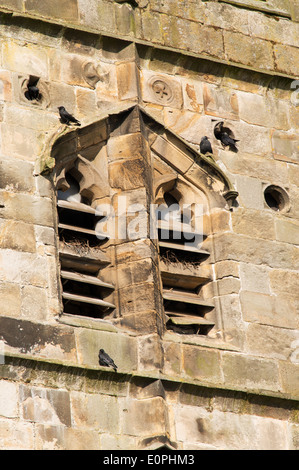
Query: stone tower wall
x=236, y=61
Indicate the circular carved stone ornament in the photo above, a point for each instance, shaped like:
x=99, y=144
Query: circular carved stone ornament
x=161, y=90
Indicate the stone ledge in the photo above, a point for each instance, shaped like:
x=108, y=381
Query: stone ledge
x=140, y=23
x=120, y=379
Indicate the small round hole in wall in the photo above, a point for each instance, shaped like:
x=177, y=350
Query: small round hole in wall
x=276, y=198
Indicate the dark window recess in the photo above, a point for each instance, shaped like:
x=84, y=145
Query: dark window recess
x=276, y=198
x=81, y=260
x=180, y=259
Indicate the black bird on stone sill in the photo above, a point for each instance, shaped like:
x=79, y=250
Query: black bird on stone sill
x=105, y=360
x=222, y=135
x=32, y=92
x=205, y=146
x=66, y=117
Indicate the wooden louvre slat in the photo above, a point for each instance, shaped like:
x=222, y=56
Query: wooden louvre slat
x=73, y=276
x=87, y=300
x=186, y=248
x=186, y=320
x=177, y=296
x=78, y=206
x=85, y=231
x=181, y=228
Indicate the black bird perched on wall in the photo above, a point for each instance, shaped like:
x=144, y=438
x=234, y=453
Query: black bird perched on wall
x=205, y=146
x=66, y=117
x=221, y=134
x=106, y=360
x=32, y=92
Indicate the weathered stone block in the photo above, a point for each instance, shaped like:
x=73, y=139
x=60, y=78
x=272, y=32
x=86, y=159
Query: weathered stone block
x=12, y=4
x=256, y=53
x=21, y=142
x=151, y=410
x=278, y=30
x=279, y=311
x=285, y=146
x=124, y=17
x=254, y=223
x=284, y=281
x=34, y=303
x=23, y=268
x=202, y=364
x=287, y=59
x=28, y=59
x=135, y=273
x=150, y=353
x=138, y=298
x=8, y=399
x=254, y=109
x=135, y=251
x=96, y=411
x=226, y=269
x=5, y=86
x=61, y=9
x=287, y=231
x=145, y=322
x=47, y=406
x=124, y=147
x=30, y=118
x=127, y=81
x=127, y=175
x=26, y=208
x=220, y=102
x=254, y=140
x=257, y=167
x=188, y=124
x=249, y=373
x=272, y=342
x=122, y=349
x=289, y=373
x=17, y=236
x=254, y=278
x=60, y=437
x=98, y=15
x=86, y=103
x=16, y=175
x=257, y=251
x=151, y=24
x=228, y=285
x=192, y=94
x=16, y=435
x=229, y=430
x=56, y=91
x=31, y=337
x=172, y=358
x=250, y=192
x=10, y=299
x=203, y=40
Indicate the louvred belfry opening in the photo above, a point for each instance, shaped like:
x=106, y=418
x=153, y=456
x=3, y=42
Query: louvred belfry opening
x=181, y=257
x=84, y=293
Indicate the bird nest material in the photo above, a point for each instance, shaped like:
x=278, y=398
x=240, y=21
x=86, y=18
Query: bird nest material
x=184, y=260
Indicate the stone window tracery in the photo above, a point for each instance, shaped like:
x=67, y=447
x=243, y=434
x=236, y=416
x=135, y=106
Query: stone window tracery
x=180, y=234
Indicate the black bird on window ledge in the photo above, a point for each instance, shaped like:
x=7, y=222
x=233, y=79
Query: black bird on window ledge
x=223, y=134
x=67, y=118
x=105, y=360
x=205, y=146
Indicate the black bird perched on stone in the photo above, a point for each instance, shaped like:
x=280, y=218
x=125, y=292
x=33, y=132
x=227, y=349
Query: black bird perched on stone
x=222, y=135
x=66, y=117
x=205, y=146
x=32, y=92
x=106, y=360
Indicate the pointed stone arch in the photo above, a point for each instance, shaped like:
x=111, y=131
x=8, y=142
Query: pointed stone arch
x=128, y=153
